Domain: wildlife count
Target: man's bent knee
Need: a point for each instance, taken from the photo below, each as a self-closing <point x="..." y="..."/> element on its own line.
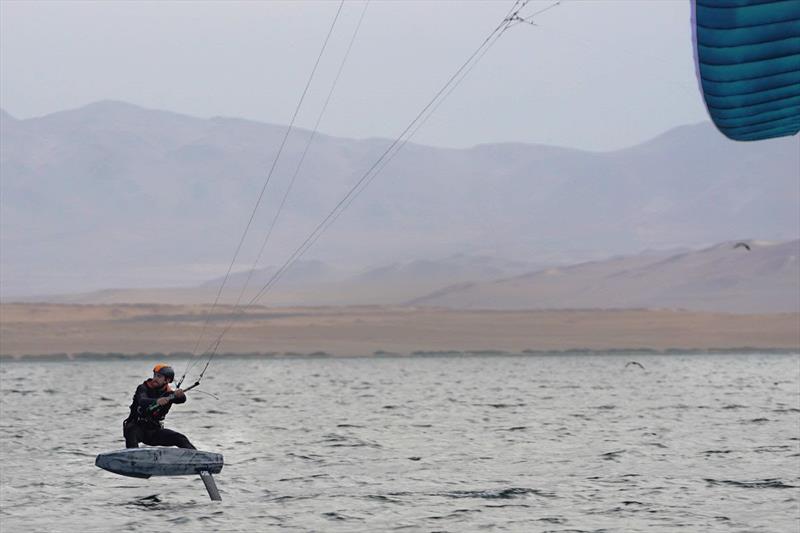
<point x="183" y="442"/>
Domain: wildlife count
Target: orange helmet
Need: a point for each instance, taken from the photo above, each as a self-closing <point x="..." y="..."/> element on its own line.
<point x="164" y="370"/>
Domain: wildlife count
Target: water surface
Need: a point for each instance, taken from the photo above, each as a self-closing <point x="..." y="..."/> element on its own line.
<point x="505" y="443"/>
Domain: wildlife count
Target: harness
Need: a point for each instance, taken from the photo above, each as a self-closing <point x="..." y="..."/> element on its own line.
<point x="145" y="417"/>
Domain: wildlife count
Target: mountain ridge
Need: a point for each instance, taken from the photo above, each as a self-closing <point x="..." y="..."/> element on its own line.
<point x="116" y="195"/>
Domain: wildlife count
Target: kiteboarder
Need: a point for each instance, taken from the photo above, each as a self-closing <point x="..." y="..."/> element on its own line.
<point x="151" y="403"/>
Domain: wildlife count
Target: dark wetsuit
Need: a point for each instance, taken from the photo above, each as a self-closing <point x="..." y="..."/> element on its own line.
<point x="147" y="426"/>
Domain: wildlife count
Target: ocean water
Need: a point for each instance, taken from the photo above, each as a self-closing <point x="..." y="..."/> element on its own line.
<point x="698" y="443"/>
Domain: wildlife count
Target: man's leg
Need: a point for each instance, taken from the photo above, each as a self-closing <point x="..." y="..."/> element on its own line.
<point x="167" y="437"/>
<point x="131" y="433"/>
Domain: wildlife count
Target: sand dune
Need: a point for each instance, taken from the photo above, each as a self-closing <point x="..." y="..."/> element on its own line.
<point x="720" y="278"/>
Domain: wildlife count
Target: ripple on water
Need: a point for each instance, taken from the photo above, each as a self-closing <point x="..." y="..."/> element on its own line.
<point x="772" y="449"/>
<point x="710" y="453"/>
<point x="497" y="494"/>
<point x="755" y="484"/>
<point x="612" y="456"/>
<point x="333" y="515"/>
<point x="146" y="501"/>
<point x="310" y="457"/>
<point x="504" y="405"/>
<point x="305" y="478"/>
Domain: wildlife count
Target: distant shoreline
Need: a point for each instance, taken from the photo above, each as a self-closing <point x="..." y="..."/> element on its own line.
<point x="73" y="332"/>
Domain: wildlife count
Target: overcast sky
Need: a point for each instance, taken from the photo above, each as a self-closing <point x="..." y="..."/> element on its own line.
<point x="593" y="74"/>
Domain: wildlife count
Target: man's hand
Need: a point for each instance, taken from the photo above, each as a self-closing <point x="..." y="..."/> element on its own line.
<point x="162" y="401"/>
<point x="179" y="393"/>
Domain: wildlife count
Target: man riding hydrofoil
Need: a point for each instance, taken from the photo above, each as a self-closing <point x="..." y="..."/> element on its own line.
<point x="151" y="403"/>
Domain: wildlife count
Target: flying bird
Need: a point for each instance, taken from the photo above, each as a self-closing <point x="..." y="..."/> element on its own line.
<point x="633" y="363"/>
<point x="742" y="245"/>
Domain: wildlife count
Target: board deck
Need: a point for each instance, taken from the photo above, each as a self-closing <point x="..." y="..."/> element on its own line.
<point x="159" y="461"/>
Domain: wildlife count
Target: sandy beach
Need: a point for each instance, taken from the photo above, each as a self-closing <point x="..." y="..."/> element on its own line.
<point x="43" y="329"/>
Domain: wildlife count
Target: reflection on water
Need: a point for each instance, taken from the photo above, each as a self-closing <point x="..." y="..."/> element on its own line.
<point x="528" y="443"/>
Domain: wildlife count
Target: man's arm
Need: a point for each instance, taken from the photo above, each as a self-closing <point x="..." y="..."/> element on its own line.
<point x="142" y="399"/>
<point x="176" y="396"/>
<point x="180" y="397"/>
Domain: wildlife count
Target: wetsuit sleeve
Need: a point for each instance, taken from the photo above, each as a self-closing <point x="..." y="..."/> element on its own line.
<point x="142" y="399"/>
<point x="179" y="400"/>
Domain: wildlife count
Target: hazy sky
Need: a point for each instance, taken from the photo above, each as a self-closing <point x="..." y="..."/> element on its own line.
<point x="591" y="74"/>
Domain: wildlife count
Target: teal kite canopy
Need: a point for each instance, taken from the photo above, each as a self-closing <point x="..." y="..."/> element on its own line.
<point x="747" y="57"/>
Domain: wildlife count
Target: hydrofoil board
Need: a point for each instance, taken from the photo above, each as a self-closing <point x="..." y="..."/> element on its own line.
<point x="158" y="461"/>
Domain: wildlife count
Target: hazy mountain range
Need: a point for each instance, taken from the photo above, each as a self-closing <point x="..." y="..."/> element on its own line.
<point x="724" y="277"/>
<point x="113" y="195"/>
<point x="318" y="283"/>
